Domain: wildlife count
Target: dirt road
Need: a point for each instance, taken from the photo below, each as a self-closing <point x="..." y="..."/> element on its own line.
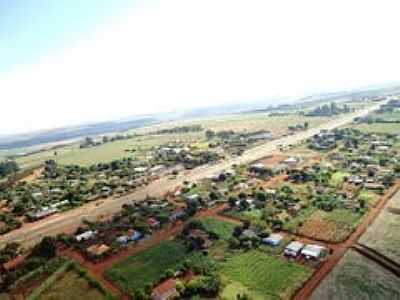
<point x="67" y="222"/>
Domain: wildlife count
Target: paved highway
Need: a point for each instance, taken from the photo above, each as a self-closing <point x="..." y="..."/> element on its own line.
<point x="68" y="221"/>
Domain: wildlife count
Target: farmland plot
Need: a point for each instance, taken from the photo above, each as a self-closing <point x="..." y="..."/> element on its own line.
<point x="358" y="278"/>
<point x="384" y="234"/>
<point x="333" y="226"/>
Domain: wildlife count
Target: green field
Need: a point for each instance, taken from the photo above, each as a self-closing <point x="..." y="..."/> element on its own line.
<point x="390" y="128"/>
<point x="222" y="229"/>
<point x="148" y="266"/>
<point x="72" y="154"/>
<point x="262" y="276"/>
<point x="359" y="278"/>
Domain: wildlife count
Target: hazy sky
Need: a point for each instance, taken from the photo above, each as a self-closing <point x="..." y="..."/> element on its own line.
<point x="64" y="62"/>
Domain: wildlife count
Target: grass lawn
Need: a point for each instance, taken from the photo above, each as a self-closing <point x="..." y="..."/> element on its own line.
<point x="148" y="266"/>
<point x="357" y="277"/>
<point x="223" y="229"/>
<point x="263" y="276"/>
<point x="338" y="178"/>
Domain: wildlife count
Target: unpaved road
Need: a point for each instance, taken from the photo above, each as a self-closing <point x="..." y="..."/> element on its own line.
<point x="67" y="222"/>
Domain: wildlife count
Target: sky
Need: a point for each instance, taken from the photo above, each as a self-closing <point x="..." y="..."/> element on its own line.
<point x="66" y="62"/>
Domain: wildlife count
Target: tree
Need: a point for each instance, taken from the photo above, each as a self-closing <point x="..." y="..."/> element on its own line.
<point x="209" y="134"/>
<point x="232" y="201"/>
<point x="306" y="125"/>
<point x="8" y="167"/>
<point x="46" y="248"/>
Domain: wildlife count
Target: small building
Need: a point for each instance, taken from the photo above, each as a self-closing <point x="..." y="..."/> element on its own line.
<point x="43" y="213"/>
<point x="196" y="234"/>
<point x="258" y="167"/>
<point x="293" y="249"/>
<point x="134" y="235"/>
<point x="166" y="290"/>
<point x="291" y="161"/>
<point x="153" y="223"/>
<point x="98" y="249"/>
<point x="374" y="186"/>
<point x="177" y="216"/>
<point x="193" y="197"/>
<point x="355" y="179"/>
<point x="87" y="235"/>
<point x="140" y="169"/>
<point x="312" y="251"/>
<point x="273" y="240"/>
<point x="123" y="239"/>
<point x="14" y="263"/>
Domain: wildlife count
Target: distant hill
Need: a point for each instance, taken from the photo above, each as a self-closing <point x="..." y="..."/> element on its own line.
<point x="62" y="134"/>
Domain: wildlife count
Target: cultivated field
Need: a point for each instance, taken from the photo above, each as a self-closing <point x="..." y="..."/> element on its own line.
<point x="384" y="234"/>
<point x="358" y="278"/>
<point x="333" y="227"/>
<point x="262" y="276"/>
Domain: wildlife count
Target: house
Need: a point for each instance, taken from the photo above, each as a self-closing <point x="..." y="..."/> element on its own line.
<point x="14" y="263"/>
<point x="44" y="213"/>
<point x="374" y="186"/>
<point x="279" y="168"/>
<point x="196" y="234"/>
<point x="355" y="179"/>
<point x="134" y="235"/>
<point x="294" y="210"/>
<point x="87" y="235"/>
<point x="273" y="240"/>
<point x="123" y="239"/>
<point x="98" y="249"/>
<point x="177" y="216"/>
<point x="193" y="197"/>
<point x="293" y="249"/>
<point x="291" y="161"/>
<point x="140" y="169"/>
<point x="312" y="251"/>
<point x="165" y="290"/>
<point x="258" y="167"/>
<point x="157" y="169"/>
<point x="230" y="172"/>
<point x="153" y="223"/>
